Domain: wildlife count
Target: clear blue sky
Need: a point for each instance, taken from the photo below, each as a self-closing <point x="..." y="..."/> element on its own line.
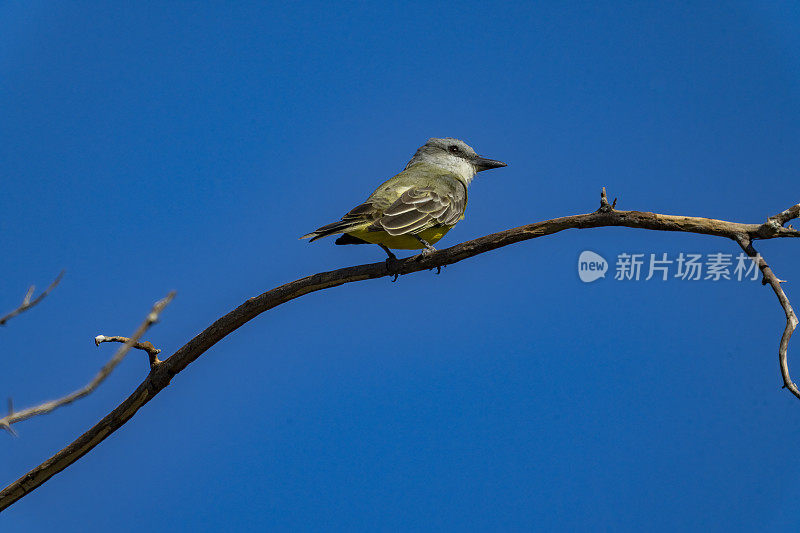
<point x="145" y="148"/>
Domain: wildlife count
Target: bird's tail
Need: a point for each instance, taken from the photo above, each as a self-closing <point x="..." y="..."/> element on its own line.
<point x="332" y="229"/>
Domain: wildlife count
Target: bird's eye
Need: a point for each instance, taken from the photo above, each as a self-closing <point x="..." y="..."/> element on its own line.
<point x="454" y="149"/>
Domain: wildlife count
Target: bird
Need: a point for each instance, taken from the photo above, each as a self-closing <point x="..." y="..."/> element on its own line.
<point x="415" y="208"/>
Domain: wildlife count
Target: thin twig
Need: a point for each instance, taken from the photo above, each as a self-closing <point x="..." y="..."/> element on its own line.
<point x="17" y="416"/>
<point x="770" y="279"/>
<point x="161" y="374"/>
<point x="146" y="346"/>
<point x="27" y="303"/>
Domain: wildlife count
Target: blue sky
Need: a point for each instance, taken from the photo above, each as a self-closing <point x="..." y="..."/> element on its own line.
<point x="186" y="146"/>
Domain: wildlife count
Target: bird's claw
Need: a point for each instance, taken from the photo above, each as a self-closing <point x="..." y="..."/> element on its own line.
<point x="391" y="266"/>
<point x="391" y="262"/>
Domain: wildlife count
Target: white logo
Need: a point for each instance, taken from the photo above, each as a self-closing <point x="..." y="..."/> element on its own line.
<point x="591" y="266"/>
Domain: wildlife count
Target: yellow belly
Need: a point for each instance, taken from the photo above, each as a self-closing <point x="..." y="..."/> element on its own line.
<point x="401" y="242"/>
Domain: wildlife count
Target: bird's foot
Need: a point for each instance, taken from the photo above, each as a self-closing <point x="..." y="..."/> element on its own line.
<point x="428" y="251"/>
<point x="391" y="262"/>
<point x="391" y="266"/>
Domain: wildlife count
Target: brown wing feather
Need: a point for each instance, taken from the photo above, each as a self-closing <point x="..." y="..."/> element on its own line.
<point x="418" y="209"/>
<point x="361" y="211"/>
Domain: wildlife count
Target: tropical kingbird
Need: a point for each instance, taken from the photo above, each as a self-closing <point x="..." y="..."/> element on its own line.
<point x="415" y="208"/>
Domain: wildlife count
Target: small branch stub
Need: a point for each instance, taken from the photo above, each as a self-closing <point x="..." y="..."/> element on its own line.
<point x="146" y="346"/>
<point x="5" y="425"/>
<point x="605" y="207"/>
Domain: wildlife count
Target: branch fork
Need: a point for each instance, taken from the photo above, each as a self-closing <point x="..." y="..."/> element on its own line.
<point x="605" y="207"/>
<point x="27" y="302"/>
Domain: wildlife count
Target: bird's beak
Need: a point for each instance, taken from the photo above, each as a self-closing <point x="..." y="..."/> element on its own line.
<point x="482" y="163"/>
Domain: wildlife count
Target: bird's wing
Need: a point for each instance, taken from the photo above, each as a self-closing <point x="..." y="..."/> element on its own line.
<point x="422" y="207"/>
<point x="369" y="210"/>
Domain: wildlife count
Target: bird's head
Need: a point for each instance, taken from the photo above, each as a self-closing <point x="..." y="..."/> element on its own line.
<point x="454" y="155"/>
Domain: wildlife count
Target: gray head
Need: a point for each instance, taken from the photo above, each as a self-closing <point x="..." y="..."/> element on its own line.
<point x="454" y="155"/>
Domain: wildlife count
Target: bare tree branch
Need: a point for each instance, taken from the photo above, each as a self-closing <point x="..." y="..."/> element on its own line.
<point x="27" y="303"/>
<point x="17" y="416"/>
<point x="768" y="277"/>
<point x="785" y="216"/>
<point x="161" y="374"/>
<point x="147" y="346"/>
